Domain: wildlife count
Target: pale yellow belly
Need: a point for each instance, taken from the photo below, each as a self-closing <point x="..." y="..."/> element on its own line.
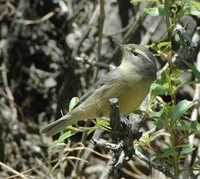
<point x="129" y="98"/>
<point x="132" y="98"/>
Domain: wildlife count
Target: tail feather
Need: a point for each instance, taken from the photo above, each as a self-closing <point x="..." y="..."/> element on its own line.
<point x="58" y="125"/>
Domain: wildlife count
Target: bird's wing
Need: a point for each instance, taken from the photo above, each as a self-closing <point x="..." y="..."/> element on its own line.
<point x="107" y="80"/>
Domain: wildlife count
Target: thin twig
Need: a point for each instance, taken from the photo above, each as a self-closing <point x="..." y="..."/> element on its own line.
<point x="12" y="170"/>
<point x="100" y="36"/>
<point x="40" y="20"/>
<point x="76" y="170"/>
<point x="86" y="33"/>
<point x="90" y="149"/>
<point x="108" y="169"/>
<point x="153" y="164"/>
<point x="147" y="36"/>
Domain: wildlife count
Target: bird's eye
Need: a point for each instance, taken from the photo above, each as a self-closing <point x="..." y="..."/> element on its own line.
<point x="135" y="53"/>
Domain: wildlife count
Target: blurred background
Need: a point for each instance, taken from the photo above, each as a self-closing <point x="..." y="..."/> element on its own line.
<point x="39" y="71"/>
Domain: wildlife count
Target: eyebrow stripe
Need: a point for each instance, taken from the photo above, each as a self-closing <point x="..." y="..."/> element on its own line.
<point x="141" y="53"/>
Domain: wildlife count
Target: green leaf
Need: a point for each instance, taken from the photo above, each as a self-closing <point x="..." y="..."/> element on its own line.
<point x="157" y="89"/>
<point x="195" y="126"/>
<point x="73" y="103"/>
<point x="91" y="130"/>
<point x="159" y="124"/>
<point x="64" y="136"/>
<point x="102" y="123"/>
<point x="178" y="110"/>
<point x="198" y="127"/>
<point x="158" y="115"/>
<point x="164" y="78"/>
<point x="163" y="44"/>
<point x="145" y="138"/>
<point x="184" y="126"/>
<point x="192" y="127"/>
<point x="144" y="1"/>
<point x="194" y="70"/>
<point x="178" y="37"/>
<point x="167" y="152"/>
<point x="191" y="10"/>
<point x="196" y="5"/>
<point x="186" y="149"/>
<point x="156" y="11"/>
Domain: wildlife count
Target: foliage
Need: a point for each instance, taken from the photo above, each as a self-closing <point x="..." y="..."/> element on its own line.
<point x="173" y="114"/>
<point x="40" y="73"/>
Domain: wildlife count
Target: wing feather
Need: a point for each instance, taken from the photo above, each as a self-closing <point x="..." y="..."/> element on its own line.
<point x="107" y="80"/>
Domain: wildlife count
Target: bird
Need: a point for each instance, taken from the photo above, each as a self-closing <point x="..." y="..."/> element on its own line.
<point x="129" y="82"/>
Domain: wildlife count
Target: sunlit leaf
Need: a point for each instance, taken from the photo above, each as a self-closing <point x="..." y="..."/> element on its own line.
<point x="187" y="149"/>
<point x="73" y="103"/>
<point x="195" y="126"/>
<point x="196" y="5"/>
<point x="178" y="110"/>
<point x="158" y="115"/>
<point x="64" y="136"/>
<point x="163" y="44"/>
<point x="184" y="126"/>
<point x="156" y="11"/>
<point x="157" y="89"/>
<point x="102" y="123"/>
<point x="145" y="138"/>
<point x="191" y="10"/>
<point x="194" y="70"/>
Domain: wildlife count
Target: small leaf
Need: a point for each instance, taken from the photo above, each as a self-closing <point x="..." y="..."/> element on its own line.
<point x="191" y="10"/>
<point x="158" y="115"/>
<point x="157" y="89"/>
<point x="159" y="124"/>
<point x="64" y="136"/>
<point x="178" y="110"/>
<point x="73" y="102"/>
<point x="164" y="77"/>
<point x="195" y="126"/>
<point x="91" y="130"/>
<point x="145" y="138"/>
<point x="196" y="5"/>
<point x="102" y="123"/>
<point x="156" y="11"/>
<point x="184" y="126"/>
<point x="194" y="69"/>
<point x="167" y="152"/>
<point x="198" y="127"/>
<point x="187" y="149"/>
<point x="163" y="44"/>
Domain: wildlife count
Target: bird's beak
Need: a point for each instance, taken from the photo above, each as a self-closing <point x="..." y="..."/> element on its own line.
<point x="122" y="47"/>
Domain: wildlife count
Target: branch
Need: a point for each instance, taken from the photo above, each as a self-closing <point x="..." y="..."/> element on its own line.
<point x="123" y="135"/>
<point x="153" y="164"/>
<point x="100" y="36"/>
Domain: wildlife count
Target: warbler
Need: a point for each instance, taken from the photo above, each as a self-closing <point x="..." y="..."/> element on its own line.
<point x="129" y="82"/>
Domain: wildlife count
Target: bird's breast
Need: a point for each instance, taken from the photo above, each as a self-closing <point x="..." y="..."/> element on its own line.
<point x="133" y="95"/>
<point x="130" y="93"/>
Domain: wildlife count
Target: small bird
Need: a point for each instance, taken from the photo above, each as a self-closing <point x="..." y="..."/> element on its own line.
<point x="129" y="82"/>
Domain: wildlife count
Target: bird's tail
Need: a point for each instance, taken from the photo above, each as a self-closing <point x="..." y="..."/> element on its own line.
<point x="58" y="125"/>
